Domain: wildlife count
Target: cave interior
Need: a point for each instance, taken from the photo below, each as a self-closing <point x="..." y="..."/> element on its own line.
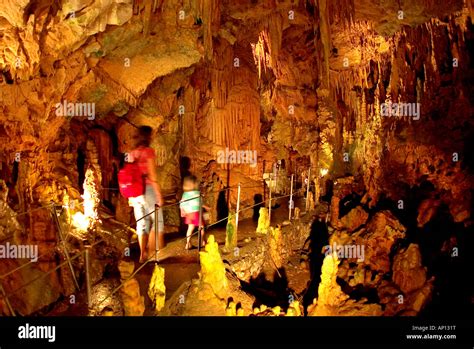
<point x="332" y="143"/>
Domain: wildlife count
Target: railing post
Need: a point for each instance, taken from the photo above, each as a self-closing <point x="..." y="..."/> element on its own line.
<point x="291" y="204"/>
<point x="200" y="222"/>
<point x="88" y="276"/>
<point x="270" y="201"/>
<point x="307" y="189"/>
<point x="63" y="242"/>
<point x="276" y="179"/>
<point x="263" y="176"/>
<point x="156" y="230"/>
<point x="7" y="301"/>
<point x="237" y="210"/>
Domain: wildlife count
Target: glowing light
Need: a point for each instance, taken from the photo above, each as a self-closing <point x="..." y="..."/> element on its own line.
<point x="91" y="198"/>
<point x="80" y="221"/>
<point x="261" y="54"/>
<point x="323" y="172"/>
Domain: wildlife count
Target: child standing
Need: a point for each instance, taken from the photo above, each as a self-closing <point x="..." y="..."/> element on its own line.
<point x="190" y="206"/>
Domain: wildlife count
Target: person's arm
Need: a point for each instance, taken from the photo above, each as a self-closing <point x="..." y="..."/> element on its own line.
<point x="154" y="181"/>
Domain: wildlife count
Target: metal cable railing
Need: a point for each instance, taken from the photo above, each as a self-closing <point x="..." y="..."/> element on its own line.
<point x="95" y="243"/>
<point x="193" y="234"/>
<point x="7" y="296"/>
<point x="146" y="215"/>
<point x="102" y="240"/>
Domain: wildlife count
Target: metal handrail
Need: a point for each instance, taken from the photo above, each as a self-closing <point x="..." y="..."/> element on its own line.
<point x="6" y="296"/>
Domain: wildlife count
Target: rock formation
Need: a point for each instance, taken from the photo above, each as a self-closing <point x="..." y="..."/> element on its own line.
<point x="263" y="221"/>
<point x="133" y="302"/>
<point x="332" y="301"/>
<point x="157" y="288"/>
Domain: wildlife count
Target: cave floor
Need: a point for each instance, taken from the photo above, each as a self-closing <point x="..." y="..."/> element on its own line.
<point x="182" y="265"/>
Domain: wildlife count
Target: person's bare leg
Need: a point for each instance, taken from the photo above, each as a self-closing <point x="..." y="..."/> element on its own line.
<point x="203" y="241"/>
<point x="151" y="243"/>
<point x="161" y="240"/>
<point x="152" y="239"/>
<point x="142" y="241"/>
<point x="188" y="236"/>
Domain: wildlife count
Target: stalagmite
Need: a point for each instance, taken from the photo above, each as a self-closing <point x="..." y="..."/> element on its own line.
<point x="91" y="198"/>
<point x="263" y="221"/>
<point x="157" y="288"/>
<point x="212" y="268"/>
<point x="231" y="234"/>
<point x="310" y="201"/>
<point x="297" y="213"/>
<point x="133" y="302"/>
<point x="332" y="301"/>
<point x="275" y="246"/>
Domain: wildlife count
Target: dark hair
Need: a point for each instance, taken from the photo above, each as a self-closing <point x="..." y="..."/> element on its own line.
<point x="144" y="136"/>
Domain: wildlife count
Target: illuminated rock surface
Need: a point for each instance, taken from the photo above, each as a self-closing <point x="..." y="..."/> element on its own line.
<point x="332" y="301"/>
<point x="275" y="246"/>
<point x="157" y="288"/>
<point x="231" y="234"/>
<point x="263" y="221"/>
<point x="299" y="81"/>
<point x="133" y="302"/>
<point x="212" y="268"/>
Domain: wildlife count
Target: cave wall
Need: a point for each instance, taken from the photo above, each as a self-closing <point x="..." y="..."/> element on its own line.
<point x="427" y="64"/>
<point x="308" y="78"/>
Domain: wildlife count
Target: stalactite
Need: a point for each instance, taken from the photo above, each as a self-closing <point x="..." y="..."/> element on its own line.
<point x="275" y="30"/>
<point x="341" y="12"/>
<point x="397" y="79"/>
<point x="325" y="40"/>
<point x="233" y="119"/>
<point x="260" y="52"/>
<point x="122" y="92"/>
<point x="210" y="14"/>
<point x="147" y="17"/>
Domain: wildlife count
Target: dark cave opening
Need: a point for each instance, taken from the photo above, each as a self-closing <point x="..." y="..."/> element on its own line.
<point x="270" y="293"/>
<point x="81" y="171"/>
<point x="258" y="203"/>
<point x="222" y="207"/>
<point x="317" y="240"/>
<point x="436" y="240"/>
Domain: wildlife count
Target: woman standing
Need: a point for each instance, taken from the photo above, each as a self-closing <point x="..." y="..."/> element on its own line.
<point x="144" y="204"/>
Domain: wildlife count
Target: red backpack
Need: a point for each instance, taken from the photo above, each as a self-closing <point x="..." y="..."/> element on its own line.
<point x="131" y="181"/>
